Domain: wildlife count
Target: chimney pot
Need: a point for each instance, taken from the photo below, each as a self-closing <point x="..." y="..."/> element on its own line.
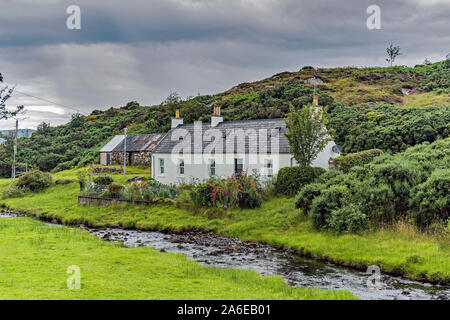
<point x="177" y="121"/>
<point x="315" y="99"/>
<point x="216" y="118"/>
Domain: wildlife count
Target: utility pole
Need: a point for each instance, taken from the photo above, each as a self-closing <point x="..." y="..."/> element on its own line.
<point x="125" y="154"/>
<point x="13" y="168"/>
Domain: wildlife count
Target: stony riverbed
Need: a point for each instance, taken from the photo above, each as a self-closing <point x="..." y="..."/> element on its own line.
<point x="213" y="250"/>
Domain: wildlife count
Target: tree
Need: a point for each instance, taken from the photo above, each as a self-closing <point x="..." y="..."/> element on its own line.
<point x="447" y="60"/>
<point x="426" y="62"/>
<point x="172" y="98"/>
<point x="307" y="133"/>
<point x="5" y="94"/>
<point x="392" y="52"/>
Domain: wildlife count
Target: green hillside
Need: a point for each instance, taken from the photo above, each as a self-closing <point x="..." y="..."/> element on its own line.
<point x="400" y="92"/>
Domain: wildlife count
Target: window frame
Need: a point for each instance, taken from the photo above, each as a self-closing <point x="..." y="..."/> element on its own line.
<point x="236" y="164"/>
<point x="268" y="166"/>
<point x="181" y="167"/>
<point x="211" y="167"/>
<point x="162" y="166"/>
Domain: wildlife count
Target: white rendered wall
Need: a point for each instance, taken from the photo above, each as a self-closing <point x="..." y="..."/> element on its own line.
<point x="196" y="167"/>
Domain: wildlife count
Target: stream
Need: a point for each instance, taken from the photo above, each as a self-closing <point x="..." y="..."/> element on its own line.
<point x="213" y="250"/>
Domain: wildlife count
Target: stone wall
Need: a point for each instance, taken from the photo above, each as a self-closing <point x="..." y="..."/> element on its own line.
<point x="97" y="201"/>
<point x="143" y="158"/>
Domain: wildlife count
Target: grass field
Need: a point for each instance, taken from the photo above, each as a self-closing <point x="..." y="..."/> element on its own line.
<point x="34" y="259"/>
<point x="400" y="250"/>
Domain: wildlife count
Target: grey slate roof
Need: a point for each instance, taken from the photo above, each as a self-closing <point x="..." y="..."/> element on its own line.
<point x="276" y="129"/>
<point x="139" y="142"/>
<point x="112" y="143"/>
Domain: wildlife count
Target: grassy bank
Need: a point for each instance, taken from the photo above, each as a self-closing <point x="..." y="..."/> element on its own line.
<point x="34" y="259"/>
<point x="400" y="251"/>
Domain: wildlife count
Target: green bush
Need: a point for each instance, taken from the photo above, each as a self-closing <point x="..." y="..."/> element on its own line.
<point x="387" y="127"/>
<point x="63" y="181"/>
<point x="347" y="219"/>
<point x="395" y="180"/>
<point x="291" y="179"/>
<point x="431" y="200"/>
<point x="241" y="190"/>
<point x="103" y="180"/>
<point x="329" y="175"/>
<point x="114" y="190"/>
<point x="333" y="198"/>
<point x="34" y="180"/>
<point x="412" y="184"/>
<point x="250" y="199"/>
<point x="305" y="197"/>
<point x="345" y="163"/>
<point x="201" y="195"/>
<point x="13" y="192"/>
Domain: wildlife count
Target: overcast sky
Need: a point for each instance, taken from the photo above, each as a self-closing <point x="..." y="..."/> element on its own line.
<point x="143" y="50"/>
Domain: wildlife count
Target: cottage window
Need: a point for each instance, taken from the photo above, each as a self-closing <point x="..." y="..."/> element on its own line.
<point x="181" y="167"/>
<point x="268" y="165"/>
<point x="161" y="166"/>
<point x="212" y="167"/>
<point x="238" y="165"/>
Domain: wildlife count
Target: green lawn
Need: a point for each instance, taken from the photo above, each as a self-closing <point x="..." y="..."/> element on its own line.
<point x="34" y="259"/>
<point x="398" y="251"/>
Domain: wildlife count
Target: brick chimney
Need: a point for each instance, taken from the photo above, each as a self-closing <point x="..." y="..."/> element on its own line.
<point x="315" y="99"/>
<point x="216" y="118"/>
<point x="177" y="120"/>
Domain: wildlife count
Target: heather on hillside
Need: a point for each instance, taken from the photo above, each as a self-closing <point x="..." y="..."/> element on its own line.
<point x="353" y="96"/>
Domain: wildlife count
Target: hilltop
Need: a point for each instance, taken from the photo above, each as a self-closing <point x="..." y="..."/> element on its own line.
<point x="364" y="89"/>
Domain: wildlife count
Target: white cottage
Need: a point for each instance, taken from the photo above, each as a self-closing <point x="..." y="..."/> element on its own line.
<point x="197" y="151"/>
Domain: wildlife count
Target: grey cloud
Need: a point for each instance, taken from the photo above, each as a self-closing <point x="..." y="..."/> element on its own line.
<point x="141" y="50"/>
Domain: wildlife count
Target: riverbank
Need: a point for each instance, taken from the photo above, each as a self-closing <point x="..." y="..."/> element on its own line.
<point x="400" y="252"/>
<point x="35" y="259"/>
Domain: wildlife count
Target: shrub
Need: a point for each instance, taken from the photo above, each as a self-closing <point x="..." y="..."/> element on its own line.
<point x="250" y="199"/>
<point x="335" y="197"/>
<point x="387" y="127"/>
<point x="34" y="180"/>
<point x="390" y="188"/>
<point x="103" y="180"/>
<point x="344" y="163"/>
<point x="431" y="200"/>
<point x="291" y="179"/>
<point x="63" y="181"/>
<point x="201" y="195"/>
<point x="347" y="219"/>
<point x="239" y="190"/>
<point x="329" y="175"/>
<point x="397" y="179"/>
<point x="114" y="190"/>
<point x="64" y="166"/>
<point x="153" y="189"/>
<point x="13" y="192"/>
<point x="305" y="197"/>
